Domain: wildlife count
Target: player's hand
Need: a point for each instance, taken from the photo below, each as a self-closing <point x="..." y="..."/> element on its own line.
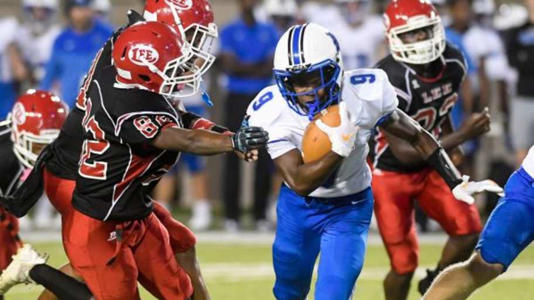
<point x="252" y="155"/>
<point x="343" y="136"/>
<point x="249" y="138"/>
<point x="465" y="190"/>
<point x="476" y="124"/>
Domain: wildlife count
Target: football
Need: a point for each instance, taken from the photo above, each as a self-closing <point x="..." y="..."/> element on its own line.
<point x="315" y="143"/>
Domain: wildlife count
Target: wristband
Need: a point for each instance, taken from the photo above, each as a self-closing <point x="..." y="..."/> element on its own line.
<point x="441" y="162"/>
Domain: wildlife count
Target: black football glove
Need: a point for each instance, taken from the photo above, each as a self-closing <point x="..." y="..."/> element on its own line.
<point x="248" y="138"/>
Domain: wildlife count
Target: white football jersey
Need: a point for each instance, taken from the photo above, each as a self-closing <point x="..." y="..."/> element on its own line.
<point x="476" y="41"/>
<point x="359" y="45"/>
<point x="36" y="50"/>
<point x="8" y="28"/>
<point x="528" y="163"/>
<point x="369" y="96"/>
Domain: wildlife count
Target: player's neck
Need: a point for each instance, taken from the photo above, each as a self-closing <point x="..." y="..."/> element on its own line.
<point x="430" y="70"/>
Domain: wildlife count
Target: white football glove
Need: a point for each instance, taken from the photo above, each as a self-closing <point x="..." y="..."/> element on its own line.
<point x="343" y="136"/>
<point x="465" y="190"/>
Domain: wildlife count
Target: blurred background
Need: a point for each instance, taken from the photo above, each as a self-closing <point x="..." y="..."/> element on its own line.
<point x="50" y="44"/>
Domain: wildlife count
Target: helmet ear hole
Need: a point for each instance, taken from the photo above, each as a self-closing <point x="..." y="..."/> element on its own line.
<point x="144" y="77"/>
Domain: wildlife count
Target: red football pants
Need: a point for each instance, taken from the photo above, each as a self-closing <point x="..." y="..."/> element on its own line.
<point x="9" y="239"/>
<point x="394" y="195"/>
<point x="112" y="256"/>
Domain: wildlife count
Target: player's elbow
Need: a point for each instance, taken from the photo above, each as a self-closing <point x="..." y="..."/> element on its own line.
<point x="302" y="189"/>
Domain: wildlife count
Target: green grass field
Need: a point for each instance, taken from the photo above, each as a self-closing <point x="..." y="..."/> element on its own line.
<point x="244" y="271"/>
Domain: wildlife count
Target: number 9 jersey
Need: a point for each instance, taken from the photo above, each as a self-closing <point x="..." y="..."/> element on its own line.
<point x="370" y="99"/>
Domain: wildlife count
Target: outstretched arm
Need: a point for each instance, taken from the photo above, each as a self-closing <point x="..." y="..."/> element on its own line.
<point x="205" y="142"/>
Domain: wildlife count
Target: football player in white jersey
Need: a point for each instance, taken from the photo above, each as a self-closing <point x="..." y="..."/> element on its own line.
<point x="326" y="206"/>
<point x="509" y="230"/>
<point x="361" y="34"/>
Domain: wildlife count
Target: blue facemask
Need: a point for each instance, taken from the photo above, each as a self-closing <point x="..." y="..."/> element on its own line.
<point x="328" y="71"/>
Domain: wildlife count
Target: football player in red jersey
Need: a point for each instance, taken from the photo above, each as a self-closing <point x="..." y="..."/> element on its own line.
<point x="133" y="134"/>
<point x="34" y="122"/>
<point x="61" y="168"/>
<point x="427" y="74"/>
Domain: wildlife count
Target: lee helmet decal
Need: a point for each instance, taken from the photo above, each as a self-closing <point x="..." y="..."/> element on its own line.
<point x="181" y="4"/>
<point x="19" y="114"/>
<point x="143" y="54"/>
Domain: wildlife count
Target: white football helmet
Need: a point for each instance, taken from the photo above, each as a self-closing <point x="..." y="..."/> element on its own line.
<point x="281" y="7"/>
<point x="304" y="50"/>
<point x="40" y="22"/>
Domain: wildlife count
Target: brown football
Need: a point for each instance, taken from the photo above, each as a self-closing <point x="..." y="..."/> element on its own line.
<point x="315" y="143"/>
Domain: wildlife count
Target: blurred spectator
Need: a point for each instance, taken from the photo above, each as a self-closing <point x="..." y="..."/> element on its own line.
<point x="102" y="10"/>
<point x="280" y="12"/>
<point x="74" y="49"/>
<point x="320" y="13"/>
<point x="246" y="57"/>
<point x="355" y="25"/>
<point x="460" y="18"/>
<point x="37" y="34"/>
<point x="12" y="68"/>
<point x="164" y="192"/>
<point x="519" y="42"/>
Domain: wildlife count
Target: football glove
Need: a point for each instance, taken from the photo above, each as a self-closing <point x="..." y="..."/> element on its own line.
<point x="343" y="136"/>
<point x="248" y="138"/>
<point x="465" y="190"/>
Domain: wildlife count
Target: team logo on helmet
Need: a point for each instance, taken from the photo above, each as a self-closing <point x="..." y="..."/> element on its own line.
<point x="143" y="55"/>
<point x="182" y="4"/>
<point x="19" y="114"/>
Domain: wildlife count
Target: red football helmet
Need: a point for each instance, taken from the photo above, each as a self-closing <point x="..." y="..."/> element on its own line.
<point x="403" y="16"/>
<point x="154" y="57"/>
<point x="36" y="120"/>
<point x="194" y="18"/>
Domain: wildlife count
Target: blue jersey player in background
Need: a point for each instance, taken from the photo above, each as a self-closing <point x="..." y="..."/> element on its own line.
<point x="325" y="206"/>
<point x="509" y="230"/>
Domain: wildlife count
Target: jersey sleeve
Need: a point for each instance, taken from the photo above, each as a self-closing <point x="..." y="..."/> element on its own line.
<point x="264" y="112"/>
<point x="376" y="94"/>
<point x="144" y="128"/>
<point x="396" y="74"/>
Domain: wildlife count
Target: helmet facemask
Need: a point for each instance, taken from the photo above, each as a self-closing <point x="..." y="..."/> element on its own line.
<point x="27" y="146"/>
<point x="418" y="52"/>
<point x="324" y="74"/>
<point x="201" y="40"/>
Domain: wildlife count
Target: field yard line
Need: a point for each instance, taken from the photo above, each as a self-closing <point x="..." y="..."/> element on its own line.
<point x="238" y="272"/>
<point x="222" y="237"/>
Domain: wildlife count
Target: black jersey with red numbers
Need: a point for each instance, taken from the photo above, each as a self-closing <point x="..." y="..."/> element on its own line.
<point x="10" y="168"/>
<point x="426" y="100"/>
<point x="118" y="166"/>
<point x="66" y="148"/>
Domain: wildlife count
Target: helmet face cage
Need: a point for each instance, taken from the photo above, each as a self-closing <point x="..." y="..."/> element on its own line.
<point x="328" y="71"/>
<point x="418" y="52"/>
<point x="181" y="76"/>
<point x="27" y="146"/>
<point x="201" y="40"/>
